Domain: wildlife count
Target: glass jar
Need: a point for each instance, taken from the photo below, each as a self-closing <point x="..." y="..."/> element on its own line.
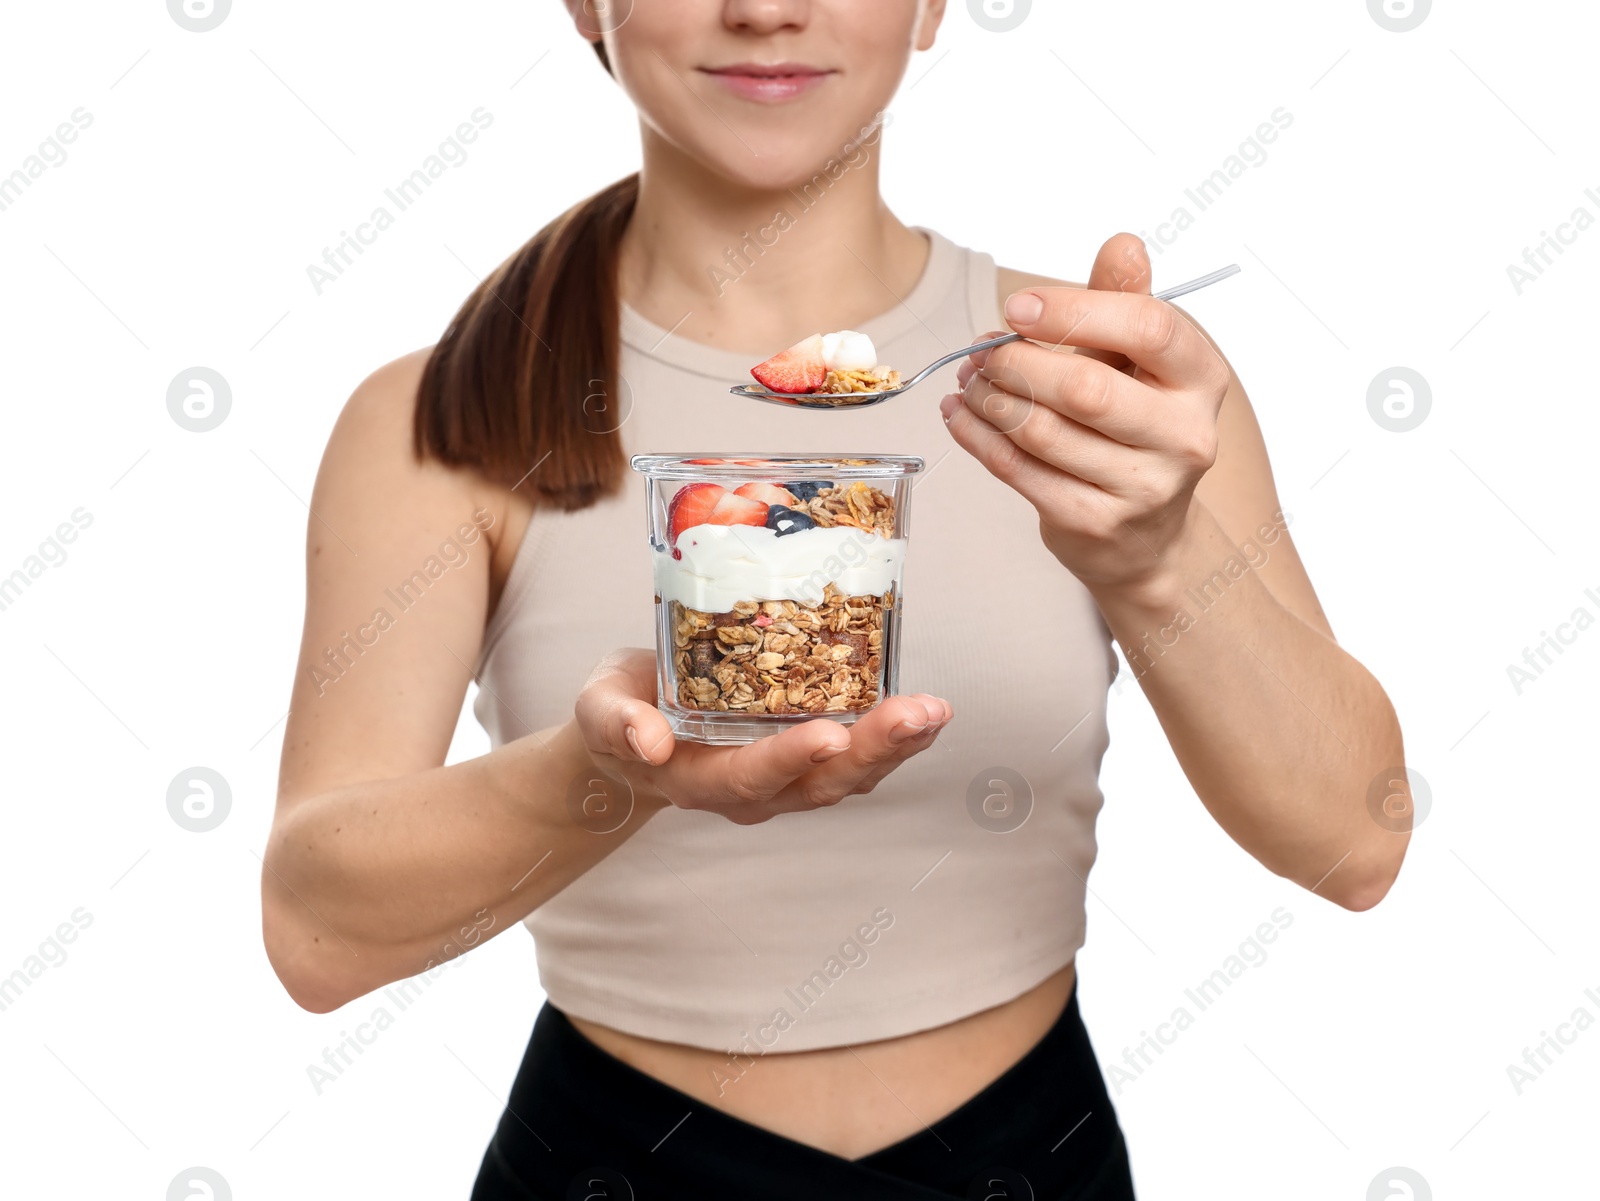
<point x="777" y="587"/>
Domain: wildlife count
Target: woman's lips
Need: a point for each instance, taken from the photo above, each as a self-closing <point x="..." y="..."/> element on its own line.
<point x="775" y="82"/>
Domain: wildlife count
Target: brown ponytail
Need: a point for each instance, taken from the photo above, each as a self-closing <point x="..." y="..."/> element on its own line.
<point x="526" y="373"/>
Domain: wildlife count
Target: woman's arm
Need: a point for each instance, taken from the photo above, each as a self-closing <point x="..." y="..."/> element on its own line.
<point x="1283" y="734"/>
<point x="381" y="862"/>
<point x="1152" y="481"/>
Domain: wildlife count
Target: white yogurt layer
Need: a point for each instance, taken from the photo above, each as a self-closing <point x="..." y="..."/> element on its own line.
<point x="848" y="350"/>
<point x="725" y="564"/>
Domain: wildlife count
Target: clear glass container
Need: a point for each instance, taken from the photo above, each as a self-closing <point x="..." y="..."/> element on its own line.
<point x="777" y="587"/>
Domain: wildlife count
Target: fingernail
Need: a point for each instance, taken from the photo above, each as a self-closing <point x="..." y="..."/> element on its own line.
<point x="965" y="372"/>
<point x="632" y="736"/>
<point x="823" y="754"/>
<point x="947" y="406"/>
<point x="906" y="730"/>
<point x="1024" y="308"/>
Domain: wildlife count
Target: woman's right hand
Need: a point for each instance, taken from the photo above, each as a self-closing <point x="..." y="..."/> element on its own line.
<point x="805" y="766"/>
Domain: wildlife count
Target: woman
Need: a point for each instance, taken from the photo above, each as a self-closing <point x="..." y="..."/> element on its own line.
<point x="868" y="998"/>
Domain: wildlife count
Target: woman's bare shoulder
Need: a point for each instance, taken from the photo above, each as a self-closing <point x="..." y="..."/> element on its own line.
<point x="384" y="403"/>
<point x="372" y="441"/>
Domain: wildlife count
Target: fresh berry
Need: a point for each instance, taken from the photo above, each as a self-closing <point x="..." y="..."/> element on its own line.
<point x="799" y="369"/>
<point x="808" y="489"/>
<point x="763" y="620"/>
<point x="767" y="494"/>
<point x="788" y="521"/>
<point x="692" y="506"/>
<point x="733" y="509"/>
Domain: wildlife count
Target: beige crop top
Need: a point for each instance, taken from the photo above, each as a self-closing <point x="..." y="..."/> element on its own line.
<point x="900" y="910"/>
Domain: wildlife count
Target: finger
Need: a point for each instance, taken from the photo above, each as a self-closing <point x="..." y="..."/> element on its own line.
<point x="1123" y="265"/>
<point x="910" y="749"/>
<point x="903" y="750"/>
<point x="977" y="358"/>
<point x="1150" y="332"/>
<point x="1064" y="495"/>
<point x="880" y="740"/>
<point x="757" y="772"/>
<point x="1087" y="391"/>
<point x="1054" y="439"/>
<point x="616" y="709"/>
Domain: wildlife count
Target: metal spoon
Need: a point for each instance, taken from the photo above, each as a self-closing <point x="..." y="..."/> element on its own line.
<point x="858" y="400"/>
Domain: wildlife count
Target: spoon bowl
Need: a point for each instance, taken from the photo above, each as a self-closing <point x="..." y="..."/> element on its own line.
<point x="860" y="400"/>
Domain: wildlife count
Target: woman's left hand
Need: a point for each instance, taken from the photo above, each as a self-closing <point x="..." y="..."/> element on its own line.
<point x="1108" y="442"/>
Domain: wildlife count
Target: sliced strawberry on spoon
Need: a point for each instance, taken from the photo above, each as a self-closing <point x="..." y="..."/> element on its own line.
<point x="801" y="368"/>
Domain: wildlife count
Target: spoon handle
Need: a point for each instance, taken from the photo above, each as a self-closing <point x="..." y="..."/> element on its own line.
<point x="959" y="354"/>
<point x="1194" y="285"/>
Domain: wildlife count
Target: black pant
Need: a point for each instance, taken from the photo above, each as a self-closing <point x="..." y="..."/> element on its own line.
<point x="581" y="1125"/>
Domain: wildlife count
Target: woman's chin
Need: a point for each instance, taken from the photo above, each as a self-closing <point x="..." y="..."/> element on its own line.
<point x="802" y="166"/>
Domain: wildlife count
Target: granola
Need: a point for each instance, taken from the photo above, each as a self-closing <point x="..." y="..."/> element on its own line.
<point x="879" y="379"/>
<point x="782" y="656"/>
<point x="860" y="505"/>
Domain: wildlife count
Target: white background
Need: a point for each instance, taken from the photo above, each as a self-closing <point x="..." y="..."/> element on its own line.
<point x="177" y="233"/>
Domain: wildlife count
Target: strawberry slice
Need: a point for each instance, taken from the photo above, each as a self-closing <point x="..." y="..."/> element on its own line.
<point x="799" y="369"/>
<point x="711" y="504"/>
<point x="733" y="509"/>
<point x="705" y="460"/>
<point x="767" y="494"/>
<point x="692" y="505"/>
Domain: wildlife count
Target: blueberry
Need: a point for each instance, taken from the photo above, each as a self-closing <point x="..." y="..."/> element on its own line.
<point x="787" y="521"/>
<point x="808" y="489"/>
